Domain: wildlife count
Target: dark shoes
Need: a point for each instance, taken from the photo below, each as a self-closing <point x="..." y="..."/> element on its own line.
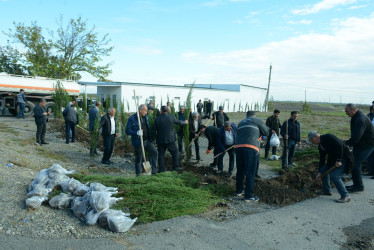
<point x="324" y="193"/>
<point x="105" y="162"/>
<point x="355" y="190"/>
<point x="44" y="143"/>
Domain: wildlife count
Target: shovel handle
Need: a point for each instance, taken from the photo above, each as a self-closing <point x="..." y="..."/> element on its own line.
<point x="322" y="175"/>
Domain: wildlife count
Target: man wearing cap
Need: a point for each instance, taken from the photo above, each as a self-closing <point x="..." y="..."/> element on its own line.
<point x="220" y="117"/>
<point x="247" y="149"/>
<point x="21" y="101"/>
<point x="333" y="147"/>
<point x="362" y="141"/>
<point x="40" y="115"/>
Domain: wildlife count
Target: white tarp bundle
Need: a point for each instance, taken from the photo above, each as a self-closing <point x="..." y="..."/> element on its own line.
<point x="89" y="203"/>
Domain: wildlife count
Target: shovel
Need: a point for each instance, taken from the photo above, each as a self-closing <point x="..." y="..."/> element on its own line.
<point x="322" y="175"/>
<point x="198" y="134"/>
<point x="223" y="152"/>
<point x="146" y="165"/>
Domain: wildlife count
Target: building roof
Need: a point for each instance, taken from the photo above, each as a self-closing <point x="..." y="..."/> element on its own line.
<point x="227" y="87"/>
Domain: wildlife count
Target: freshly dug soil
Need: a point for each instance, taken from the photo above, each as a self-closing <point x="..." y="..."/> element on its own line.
<point x="282" y="190"/>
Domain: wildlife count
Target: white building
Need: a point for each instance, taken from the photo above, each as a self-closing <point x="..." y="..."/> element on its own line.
<point x="234" y="97"/>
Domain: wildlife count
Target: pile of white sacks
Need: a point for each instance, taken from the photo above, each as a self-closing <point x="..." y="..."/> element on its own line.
<point x="89" y="203"/>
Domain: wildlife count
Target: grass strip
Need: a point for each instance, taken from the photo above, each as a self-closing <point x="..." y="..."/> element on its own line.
<point x="158" y="197"/>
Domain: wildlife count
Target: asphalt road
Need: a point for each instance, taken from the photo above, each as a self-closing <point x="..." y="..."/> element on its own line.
<point x="318" y="223"/>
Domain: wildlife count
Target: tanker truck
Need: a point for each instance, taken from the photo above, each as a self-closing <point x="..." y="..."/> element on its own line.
<point x="35" y="88"/>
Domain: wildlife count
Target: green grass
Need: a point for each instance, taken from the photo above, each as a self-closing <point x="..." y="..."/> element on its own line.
<point x="159" y="197"/>
<point x="50" y="154"/>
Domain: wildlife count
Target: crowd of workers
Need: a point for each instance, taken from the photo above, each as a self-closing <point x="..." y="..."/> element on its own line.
<point x="241" y="142"/>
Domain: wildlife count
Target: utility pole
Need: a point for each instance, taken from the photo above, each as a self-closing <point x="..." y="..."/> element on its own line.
<point x="266" y="106"/>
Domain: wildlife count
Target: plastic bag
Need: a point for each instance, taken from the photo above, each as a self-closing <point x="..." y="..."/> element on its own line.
<point x="57" y="180"/>
<point x="39" y="190"/>
<point x="274" y="140"/>
<point x="95" y="186"/>
<point x="81" y="190"/>
<point x="92" y="217"/>
<point x="35" y="202"/>
<point x="69" y="185"/>
<point x="100" y="201"/>
<point x="80" y="207"/>
<point x="56" y="169"/>
<point x="274" y="157"/>
<point x="61" y="201"/>
<point x="120" y="223"/>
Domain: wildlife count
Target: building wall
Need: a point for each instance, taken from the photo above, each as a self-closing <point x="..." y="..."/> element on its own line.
<point x="103" y="92"/>
<point x="248" y="97"/>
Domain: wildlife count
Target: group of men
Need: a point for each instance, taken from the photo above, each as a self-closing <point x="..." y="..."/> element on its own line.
<point x="241" y="142"/>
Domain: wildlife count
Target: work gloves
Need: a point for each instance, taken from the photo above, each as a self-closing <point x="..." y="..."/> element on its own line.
<point x="139" y="132"/>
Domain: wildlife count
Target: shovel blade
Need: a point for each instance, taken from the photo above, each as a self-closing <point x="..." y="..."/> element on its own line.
<point x="147" y="167"/>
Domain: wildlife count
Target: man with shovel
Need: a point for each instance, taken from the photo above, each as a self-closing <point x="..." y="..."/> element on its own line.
<point x="333" y="147"/>
<point x="132" y="129"/>
<point x="290" y="132"/>
<point x="225" y="141"/>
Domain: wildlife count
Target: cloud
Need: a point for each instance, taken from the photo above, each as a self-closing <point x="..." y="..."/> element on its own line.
<point x="358" y="7"/>
<point x="323" y="5"/>
<point x="301" y="22"/>
<point x="340" y="60"/>
<point x="213" y="3"/>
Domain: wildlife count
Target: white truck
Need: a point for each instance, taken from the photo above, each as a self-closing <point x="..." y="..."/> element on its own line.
<point x="35" y="88"/>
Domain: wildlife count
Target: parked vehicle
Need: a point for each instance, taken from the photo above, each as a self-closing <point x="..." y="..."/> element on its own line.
<point x="35" y="88"/>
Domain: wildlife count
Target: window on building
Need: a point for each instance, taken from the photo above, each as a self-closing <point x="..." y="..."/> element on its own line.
<point x="114" y="100"/>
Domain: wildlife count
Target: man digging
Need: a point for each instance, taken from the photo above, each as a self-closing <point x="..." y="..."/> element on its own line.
<point x="333" y="147"/>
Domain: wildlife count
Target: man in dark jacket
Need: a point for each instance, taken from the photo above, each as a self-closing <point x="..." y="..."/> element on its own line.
<point x="109" y="132"/>
<point x="208" y="107"/>
<point x="163" y="128"/>
<point x="333" y="147"/>
<point x="274" y="125"/>
<point x="181" y="117"/>
<point x="293" y="138"/>
<point x="93" y="116"/>
<point x="71" y="120"/>
<point x="220" y="117"/>
<point x="40" y="115"/>
<point x="21" y="101"/>
<point x="226" y="139"/>
<point x="362" y="141"/>
<point x="199" y="107"/>
<point x="211" y="133"/>
<point x="247" y="149"/>
<point x="195" y="126"/>
<point x="132" y="129"/>
<point x="371" y="114"/>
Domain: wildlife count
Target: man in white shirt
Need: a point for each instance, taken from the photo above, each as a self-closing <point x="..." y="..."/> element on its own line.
<point x="109" y="132"/>
<point x="195" y="127"/>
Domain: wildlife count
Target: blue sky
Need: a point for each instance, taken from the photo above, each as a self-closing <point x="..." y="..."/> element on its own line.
<point x="325" y="47"/>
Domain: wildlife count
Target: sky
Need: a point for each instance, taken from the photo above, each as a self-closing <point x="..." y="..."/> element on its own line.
<point x="321" y="50"/>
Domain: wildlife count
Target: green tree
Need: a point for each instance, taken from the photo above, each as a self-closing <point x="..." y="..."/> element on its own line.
<point x="61" y="98"/>
<point x="73" y="49"/>
<point x="9" y="61"/>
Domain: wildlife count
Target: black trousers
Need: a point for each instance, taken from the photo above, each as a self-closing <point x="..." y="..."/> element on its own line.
<point x="173" y="149"/>
<point x="40" y="132"/>
<point x="149" y="147"/>
<point x="108" y="147"/>
<point x="197" y="148"/>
